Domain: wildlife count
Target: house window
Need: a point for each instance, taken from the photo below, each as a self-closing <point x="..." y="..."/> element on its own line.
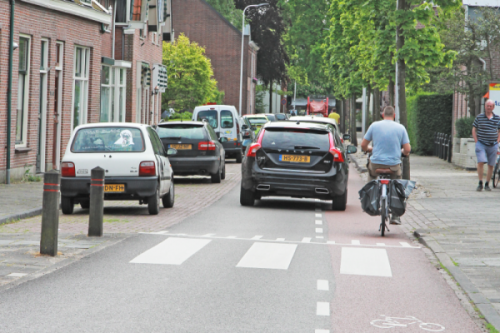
<point x="23" y="90"/>
<point x="106" y="83"/>
<point x="113" y="94"/>
<point x="81" y="85"/>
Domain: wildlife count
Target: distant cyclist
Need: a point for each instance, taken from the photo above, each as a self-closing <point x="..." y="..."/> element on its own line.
<point x="390" y="139"/>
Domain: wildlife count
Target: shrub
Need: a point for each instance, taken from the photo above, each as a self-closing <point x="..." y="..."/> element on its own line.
<point x="431" y="113"/>
<point x="412" y="124"/>
<point x="463" y="127"/>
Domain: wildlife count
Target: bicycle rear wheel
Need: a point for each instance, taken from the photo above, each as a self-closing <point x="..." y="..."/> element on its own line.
<point x="496" y="176"/>
<point x="383" y="215"/>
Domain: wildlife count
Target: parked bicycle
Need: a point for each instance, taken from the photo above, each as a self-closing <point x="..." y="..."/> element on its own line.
<point x="495" y="178"/>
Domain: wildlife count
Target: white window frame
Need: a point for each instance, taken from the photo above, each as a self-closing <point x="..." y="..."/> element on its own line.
<point x="116" y="114"/>
<point x="59" y="67"/>
<point x="84" y="93"/>
<point x="25" y="99"/>
<point x="109" y="85"/>
<point x="44" y="73"/>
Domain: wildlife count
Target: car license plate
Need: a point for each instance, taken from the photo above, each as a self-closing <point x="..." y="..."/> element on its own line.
<point x="295" y="158"/>
<point x="181" y="146"/>
<point x="114" y="188"/>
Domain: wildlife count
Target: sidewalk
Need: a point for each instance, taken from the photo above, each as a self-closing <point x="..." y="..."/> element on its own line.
<point x="460" y="225"/>
<point x="21" y="200"/>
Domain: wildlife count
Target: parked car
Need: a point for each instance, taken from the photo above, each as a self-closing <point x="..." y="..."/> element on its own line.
<point x="135" y="162"/>
<point x="247" y="129"/>
<point x="224" y="121"/>
<point x="256" y="120"/>
<point x="319" y="120"/>
<point x="199" y="152"/>
<point x="302" y="160"/>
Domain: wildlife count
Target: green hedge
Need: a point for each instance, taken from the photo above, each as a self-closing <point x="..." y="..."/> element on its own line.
<point x="430" y="113"/>
<point x="463" y="127"/>
<point x="412" y="124"/>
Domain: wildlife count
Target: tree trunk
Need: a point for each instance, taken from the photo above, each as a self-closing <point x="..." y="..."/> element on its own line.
<point x="352" y="120"/>
<point x="271" y="97"/>
<point x="368" y="97"/>
<point x="341" y="111"/>
<point x="346" y="115"/>
<point x="400" y="42"/>
<point x="391" y="93"/>
<point x="376" y="105"/>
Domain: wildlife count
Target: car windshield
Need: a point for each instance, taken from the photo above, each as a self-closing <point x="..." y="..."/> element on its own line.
<point x="115" y="139"/>
<point x="289" y="138"/>
<point x="182" y="131"/>
<point x="210" y="116"/>
<point x="271" y="117"/>
<point x="281" y="117"/>
<point x="257" y="121"/>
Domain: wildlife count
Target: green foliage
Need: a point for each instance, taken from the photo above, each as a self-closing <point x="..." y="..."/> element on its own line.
<point x="463" y="127"/>
<point x="182" y="115"/>
<point x="431" y="113"/>
<point x="412" y="123"/>
<point x="260" y="92"/>
<point x="228" y="10"/>
<point x="190" y="76"/>
<point x="29" y="177"/>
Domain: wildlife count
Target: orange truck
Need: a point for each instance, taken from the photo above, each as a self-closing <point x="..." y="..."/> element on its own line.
<point x="317" y="107"/>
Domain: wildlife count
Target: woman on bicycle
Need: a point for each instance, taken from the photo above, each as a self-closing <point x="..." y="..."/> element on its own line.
<point x="390" y="140"/>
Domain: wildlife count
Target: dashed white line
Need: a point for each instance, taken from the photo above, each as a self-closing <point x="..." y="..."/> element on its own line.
<point x="319" y="215"/>
<point x="319" y="222"/>
<point x="323" y="285"/>
<point x="208" y="235"/>
<point x="306" y="240"/>
<point x="17" y="274"/>
<point x="380" y="244"/>
<point x="257" y="237"/>
<point x="320" y="237"/>
<point x="323" y="309"/>
<point x="355" y="242"/>
<point x="280" y="239"/>
<point x="330" y="242"/>
<point x="321" y="331"/>
<point x="405" y="244"/>
<point x="231" y="237"/>
<point x="319" y="230"/>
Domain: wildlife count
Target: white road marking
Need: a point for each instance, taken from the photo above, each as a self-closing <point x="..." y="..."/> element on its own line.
<point x="365" y="261"/>
<point x="323" y="309"/>
<point x="231" y="237"/>
<point x="405" y="244"/>
<point x="163" y="232"/>
<point x="172" y="251"/>
<point x="268" y="255"/>
<point x="208" y="235"/>
<point x="321" y="331"/>
<point x="355" y="242"/>
<point x="380" y="244"/>
<point x="323" y="285"/>
<point x="256" y="237"/>
<point x="319" y="230"/>
<point x="17" y="274"/>
<point x="280" y="239"/>
<point x="319" y="215"/>
<point x="320" y="237"/>
<point x="330" y="242"/>
<point x="306" y="240"/>
<point x="319" y="222"/>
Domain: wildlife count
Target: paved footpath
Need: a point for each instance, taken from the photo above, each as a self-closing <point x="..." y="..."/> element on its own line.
<point x="20" y="240"/>
<point x="460" y="225"/>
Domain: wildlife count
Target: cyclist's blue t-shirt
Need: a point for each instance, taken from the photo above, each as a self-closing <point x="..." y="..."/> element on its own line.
<point x="388" y="137"/>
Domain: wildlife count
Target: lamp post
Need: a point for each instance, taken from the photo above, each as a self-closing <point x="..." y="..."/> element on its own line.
<point x="242" y="47"/>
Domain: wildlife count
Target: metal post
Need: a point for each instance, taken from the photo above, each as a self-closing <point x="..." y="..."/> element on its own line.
<point x="445" y="146"/>
<point x="9" y="90"/>
<point x="96" y="202"/>
<point x="50" y="213"/>
<point x="434" y="145"/>
<point x="450" y="148"/>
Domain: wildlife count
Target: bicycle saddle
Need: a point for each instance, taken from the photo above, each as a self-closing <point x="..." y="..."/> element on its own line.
<point x="383" y="171"/>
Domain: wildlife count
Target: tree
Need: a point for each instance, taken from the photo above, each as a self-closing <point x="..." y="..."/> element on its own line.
<point x="228" y="10"/>
<point x="190" y="76"/>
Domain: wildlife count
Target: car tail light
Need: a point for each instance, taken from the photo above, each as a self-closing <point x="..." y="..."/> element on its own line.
<point x="337" y="154"/>
<point x="385" y="181"/>
<point x="147" y="168"/>
<point x="206" y="145"/>
<point x="68" y="169"/>
<point x="252" y="150"/>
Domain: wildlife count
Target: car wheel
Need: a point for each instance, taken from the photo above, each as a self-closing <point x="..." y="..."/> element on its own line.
<point x="169" y="198"/>
<point x="154" y="202"/>
<point x="85" y="204"/>
<point x="238" y="157"/>
<point x="223" y="174"/>
<point x="217" y="176"/>
<point x="340" y="202"/>
<point x="247" y="197"/>
<point x="67" y="205"/>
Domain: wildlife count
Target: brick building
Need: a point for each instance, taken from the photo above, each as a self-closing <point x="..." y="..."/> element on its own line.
<point x="67" y="71"/>
<point x="201" y="23"/>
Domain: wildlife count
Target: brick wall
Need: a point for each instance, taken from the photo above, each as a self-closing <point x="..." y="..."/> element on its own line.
<point x="39" y="23"/>
<point x="222" y="42"/>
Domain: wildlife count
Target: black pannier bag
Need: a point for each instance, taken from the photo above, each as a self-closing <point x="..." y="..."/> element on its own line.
<point x="399" y="191"/>
<point x="369" y="196"/>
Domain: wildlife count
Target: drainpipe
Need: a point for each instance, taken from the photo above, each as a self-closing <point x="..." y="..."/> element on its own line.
<point x="9" y="89"/>
<point x="114" y="32"/>
<point x="482" y="98"/>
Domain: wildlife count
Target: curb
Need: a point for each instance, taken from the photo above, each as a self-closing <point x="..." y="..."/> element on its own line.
<point x="361" y="169"/>
<point x="20" y="216"/>
<point x="480" y="301"/>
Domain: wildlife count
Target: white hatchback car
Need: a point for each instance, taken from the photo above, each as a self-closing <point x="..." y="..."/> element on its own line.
<point x="135" y="163"/>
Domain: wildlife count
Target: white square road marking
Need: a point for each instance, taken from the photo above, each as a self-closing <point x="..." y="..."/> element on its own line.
<point x="172" y="251"/>
<point x="280" y="239"/>
<point x="319" y="222"/>
<point x="321" y="331"/>
<point x="380" y="244"/>
<point x="404" y="244"/>
<point x="256" y="237"/>
<point x="323" y="285"/>
<point x="323" y="309"/>
<point x="268" y="255"/>
<point x="319" y="215"/>
<point x="306" y="240"/>
<point x="355" y="242"/>
<point x="319" y="230"/>
<point x="365" y="261"/>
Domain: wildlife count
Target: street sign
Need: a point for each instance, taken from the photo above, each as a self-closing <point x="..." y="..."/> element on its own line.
<point x="494" y="93"/>
<point x="283" y="101"/>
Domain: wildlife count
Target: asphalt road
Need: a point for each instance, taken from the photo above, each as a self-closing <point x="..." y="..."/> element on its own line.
<point x="284" y="265"/>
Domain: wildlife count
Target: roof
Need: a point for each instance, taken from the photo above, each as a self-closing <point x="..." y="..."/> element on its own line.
<point x="323" y="120"/>
<point x="481" y="3"/>
<point x="188" y="122"/>
<point x="297" y="125"/>
<point x="113" y="124"/>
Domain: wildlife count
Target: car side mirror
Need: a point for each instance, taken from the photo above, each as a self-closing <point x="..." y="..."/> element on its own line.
<point x="171" y="151"/>
<point x="253" y="128"/>
<point x="351" y="149"/>
<point x="222" y="139"/>
<point x="347" y="137"/>
<point x="244" y="126"/>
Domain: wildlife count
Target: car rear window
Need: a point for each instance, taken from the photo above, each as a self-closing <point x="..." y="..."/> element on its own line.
<point x="226" y="119"/>
<point x="257" y="121"/>
<point x="280" y="117"/>
<point x="289" y="138"/>
<point x="182" y="131"/>
<point x="210" y="116"/>
<point x="115" y="139"/>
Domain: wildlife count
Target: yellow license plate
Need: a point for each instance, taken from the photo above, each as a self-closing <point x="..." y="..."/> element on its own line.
<point x="181" y="147"/>
<point x="295" y="158"/>
<point x="114" y="188"/>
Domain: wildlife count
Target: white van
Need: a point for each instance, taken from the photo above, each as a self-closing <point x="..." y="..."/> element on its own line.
<point x="224" y="119"/>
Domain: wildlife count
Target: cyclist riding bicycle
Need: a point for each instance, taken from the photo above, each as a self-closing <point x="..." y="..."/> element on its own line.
<point x="390" y="140"/>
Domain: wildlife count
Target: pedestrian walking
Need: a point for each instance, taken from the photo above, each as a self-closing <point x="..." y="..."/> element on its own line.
<point x="334" y="115"/>
<point x="486" y="134"/>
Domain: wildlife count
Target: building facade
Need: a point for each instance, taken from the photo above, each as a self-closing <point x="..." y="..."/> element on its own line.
<point x="202" y="24"/>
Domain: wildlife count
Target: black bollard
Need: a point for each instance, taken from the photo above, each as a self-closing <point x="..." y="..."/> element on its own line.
<point x="96" y="202"/>
<point x="50" y="213"/>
